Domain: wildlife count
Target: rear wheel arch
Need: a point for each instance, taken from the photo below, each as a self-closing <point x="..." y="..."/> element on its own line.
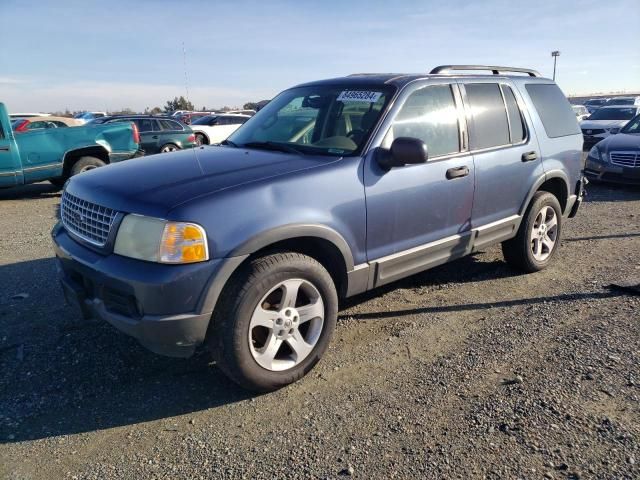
<point x="556" y="183"/>
<point x="72" y="156"/>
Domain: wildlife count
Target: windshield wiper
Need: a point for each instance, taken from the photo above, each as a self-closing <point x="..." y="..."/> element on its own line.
<point x="230" y="143"/>
<point x="279" y="147"/>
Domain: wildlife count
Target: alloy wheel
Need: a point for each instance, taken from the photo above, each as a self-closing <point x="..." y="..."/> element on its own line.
<point x="286" y="324"/>
<point x="544" y="233"/>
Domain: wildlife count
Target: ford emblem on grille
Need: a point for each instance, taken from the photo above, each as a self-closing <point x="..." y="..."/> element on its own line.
<point x="589" y="132"/>
<point x="77" y="216"/>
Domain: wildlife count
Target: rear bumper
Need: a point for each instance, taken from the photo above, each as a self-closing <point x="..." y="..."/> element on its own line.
<point x="167" y="308"/>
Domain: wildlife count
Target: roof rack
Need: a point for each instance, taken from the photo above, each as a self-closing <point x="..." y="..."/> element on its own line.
<point x="494" y="69"/>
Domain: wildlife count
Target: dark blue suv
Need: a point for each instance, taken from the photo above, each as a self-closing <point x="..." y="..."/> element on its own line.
<point x="334" y="188"/>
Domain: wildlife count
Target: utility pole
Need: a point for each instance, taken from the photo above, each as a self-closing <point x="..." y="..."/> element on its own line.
<point x="555" y="54"/>
<point x="186" y="79"/>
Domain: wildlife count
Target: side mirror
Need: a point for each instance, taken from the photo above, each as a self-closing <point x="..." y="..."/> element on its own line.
<point x="403" y="151"/>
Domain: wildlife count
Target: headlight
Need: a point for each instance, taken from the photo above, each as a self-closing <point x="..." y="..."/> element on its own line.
<point x="156" y="240"/>
<point x="595" y="153"/>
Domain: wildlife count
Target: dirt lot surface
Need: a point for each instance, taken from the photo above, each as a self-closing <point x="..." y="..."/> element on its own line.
<point x="468" y="370"/>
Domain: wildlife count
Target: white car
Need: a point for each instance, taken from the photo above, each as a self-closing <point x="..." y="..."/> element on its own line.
<point x="605" y="121"/>
<point x="86" y="117"/>
<point x="581" y="112"/>
<point x="214" y="129"/>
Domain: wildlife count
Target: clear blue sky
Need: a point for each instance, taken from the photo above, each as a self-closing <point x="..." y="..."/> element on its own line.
<point x="111" y="54"/>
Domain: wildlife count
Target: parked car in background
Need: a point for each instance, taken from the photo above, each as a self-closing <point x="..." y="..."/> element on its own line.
<point x="250" y="113"/>
<point x="15" y="116"/>
<point x="85" y="117"/>
<point x="33" y="123"/>
<point x="157" y="134"/>
<point x="214" y="129"/>
<point x="334" y="188"/>
<point x="594" y="104"/>
<point x="630" y="100"/>
<point x="189" y="117"/>
<point x="55" y="154"/>
<point x="605" y="121"/>
<point x="580" y="111"/>
<point x="617" y="158"/>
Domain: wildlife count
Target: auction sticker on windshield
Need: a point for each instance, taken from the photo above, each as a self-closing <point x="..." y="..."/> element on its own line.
<point x="359" y="96"/>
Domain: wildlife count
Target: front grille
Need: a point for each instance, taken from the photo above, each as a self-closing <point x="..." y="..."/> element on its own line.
<point x="625" y="159"/>
<point x="89" y="221"/>
<point x="592" y="131"/>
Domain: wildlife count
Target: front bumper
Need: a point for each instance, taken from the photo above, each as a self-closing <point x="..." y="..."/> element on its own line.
<point x="162" y="306"/>
<point x="606" y="172"/>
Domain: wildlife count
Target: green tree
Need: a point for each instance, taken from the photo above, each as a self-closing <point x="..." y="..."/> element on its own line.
<point x="250" y="106"/>
<point x="178" y="104"/>
<point x="156" y="111"/>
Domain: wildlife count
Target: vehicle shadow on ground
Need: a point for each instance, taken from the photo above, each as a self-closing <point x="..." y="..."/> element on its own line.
<point x="30" y="192"/>
<point x="608" y="192"/>
<point x="570" y="297"/>
<point x="61" y="375"/>
<point x="465" y="270"/>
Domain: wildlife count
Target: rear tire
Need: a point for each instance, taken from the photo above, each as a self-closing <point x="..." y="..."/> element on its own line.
<point x="84" y="164"/>
<point x="273" y="321"/>
<point x="538" y="238"/>
<point x="58" y="182"/>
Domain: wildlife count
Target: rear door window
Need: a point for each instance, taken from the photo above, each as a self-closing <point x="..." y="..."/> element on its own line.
<point x="144" y="124"/>
<point x="490" y="126"/>
<point x="554" y="109"/>
<point x="170" y="125"/>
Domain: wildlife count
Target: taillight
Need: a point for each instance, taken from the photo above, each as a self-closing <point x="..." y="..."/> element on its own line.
<point x="136" y="133"/>
<point x="22" y="126"/>
<point x="192" y="138"/>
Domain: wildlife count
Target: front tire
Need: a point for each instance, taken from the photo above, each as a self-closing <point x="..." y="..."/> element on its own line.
<point x="169" y="147"/>
<point x="538" y="238"/>
<point x="201" y="139"/>
<point x="274" y="321"/>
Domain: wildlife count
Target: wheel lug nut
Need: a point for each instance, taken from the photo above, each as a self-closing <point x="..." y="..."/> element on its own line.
<point x="279" y="321"/>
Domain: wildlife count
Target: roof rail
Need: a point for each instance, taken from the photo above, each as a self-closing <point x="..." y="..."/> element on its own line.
<point x="494" y="69"/>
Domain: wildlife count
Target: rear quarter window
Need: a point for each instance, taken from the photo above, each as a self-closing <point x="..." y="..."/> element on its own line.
<point x="554" y="109"/>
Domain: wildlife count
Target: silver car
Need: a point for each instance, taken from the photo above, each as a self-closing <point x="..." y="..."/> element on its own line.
<point x="605" y="121"/>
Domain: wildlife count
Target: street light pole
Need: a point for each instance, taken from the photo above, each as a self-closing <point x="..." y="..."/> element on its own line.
<point x="555" y="54"/>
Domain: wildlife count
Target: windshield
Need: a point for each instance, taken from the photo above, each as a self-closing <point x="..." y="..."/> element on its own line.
<point x="633" y="127"/>
<point x="594" y="102"/>
<point x="613" y="114"/>
<point x="319" y="119"/>
<point x="204" y="120"/>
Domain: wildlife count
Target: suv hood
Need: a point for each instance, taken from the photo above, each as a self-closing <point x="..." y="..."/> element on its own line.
<point x="591" y="124"/>
<point x="156" y="184"/>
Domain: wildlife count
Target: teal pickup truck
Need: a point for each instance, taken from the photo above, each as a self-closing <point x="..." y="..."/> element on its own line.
<point x="56" y="154"/>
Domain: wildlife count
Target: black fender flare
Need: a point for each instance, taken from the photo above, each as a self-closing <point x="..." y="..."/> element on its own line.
<point x="536" y="186"/>
<point x="268" y="237"/>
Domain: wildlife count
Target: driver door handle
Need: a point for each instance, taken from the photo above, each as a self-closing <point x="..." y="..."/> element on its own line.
<point x="457" y="172"/>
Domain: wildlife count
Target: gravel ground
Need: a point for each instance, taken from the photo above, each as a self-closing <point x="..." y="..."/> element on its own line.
<point x="467" y="370"/>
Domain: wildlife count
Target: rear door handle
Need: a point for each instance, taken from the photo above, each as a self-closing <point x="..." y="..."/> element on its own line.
<point x="155" y="137"/>
<point x="529" y="156"/>
<point x="457" y="172"/>
<point x="4" y="148"/>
